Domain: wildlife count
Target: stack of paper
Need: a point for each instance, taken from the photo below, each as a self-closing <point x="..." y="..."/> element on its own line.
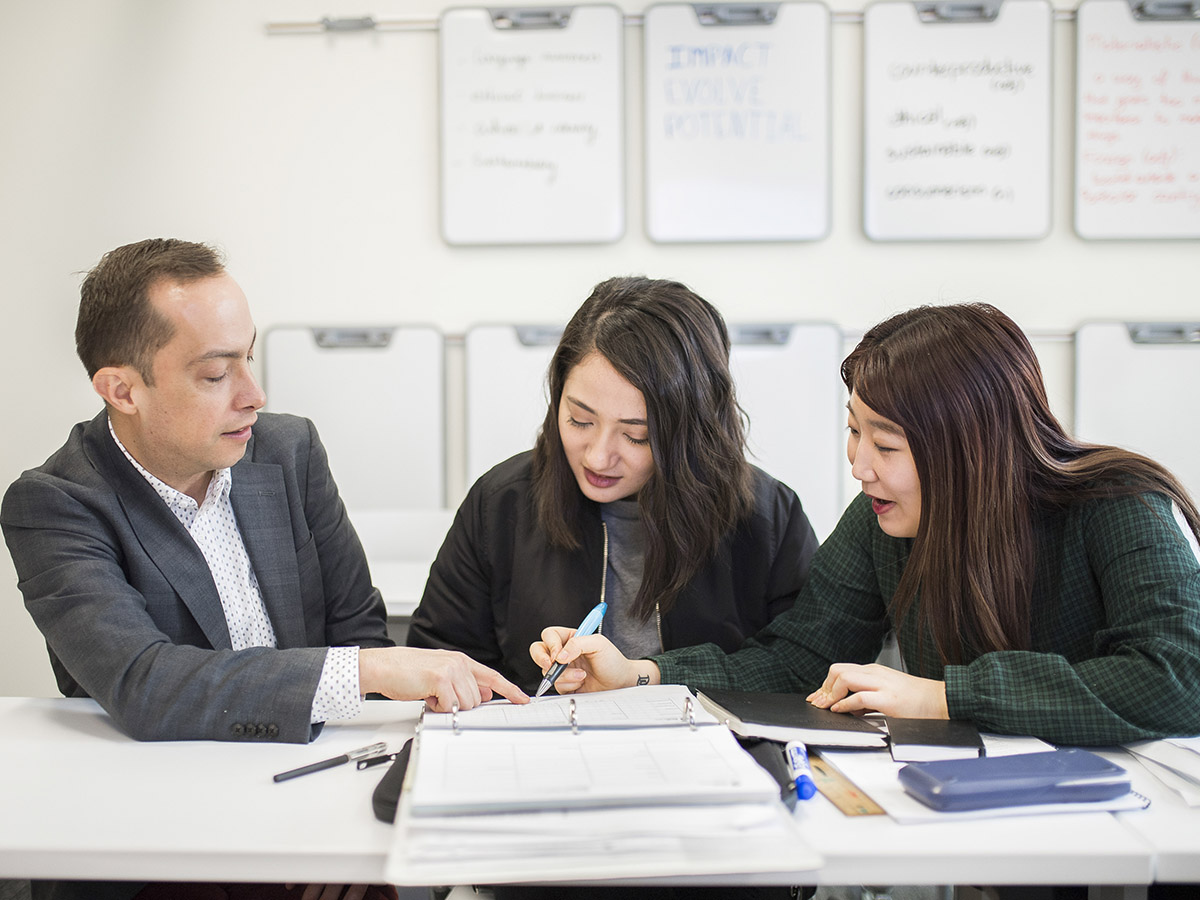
<point x="1175" y="762"/>
<point x="633" y="783"/>
<point x="581" y="845"/>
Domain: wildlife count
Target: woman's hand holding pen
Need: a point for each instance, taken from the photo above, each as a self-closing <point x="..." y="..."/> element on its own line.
<point x="593" y="663"/>
<point x="875" y="688"/>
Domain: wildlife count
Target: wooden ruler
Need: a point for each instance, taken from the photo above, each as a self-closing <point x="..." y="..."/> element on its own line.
<point x="841" y="791"/>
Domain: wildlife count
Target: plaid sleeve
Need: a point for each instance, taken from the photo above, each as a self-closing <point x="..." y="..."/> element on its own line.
<point x="839" y="617"/>
<point x="1137" y="577"/>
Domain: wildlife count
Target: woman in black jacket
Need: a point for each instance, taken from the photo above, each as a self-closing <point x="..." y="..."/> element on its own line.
<point x="637" y="492"/>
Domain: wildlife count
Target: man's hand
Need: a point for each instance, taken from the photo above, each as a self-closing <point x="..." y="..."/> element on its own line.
<point x="442" y="678"/>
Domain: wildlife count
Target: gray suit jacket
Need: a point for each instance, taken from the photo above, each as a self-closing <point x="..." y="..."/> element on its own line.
<point x="131" y="615"/>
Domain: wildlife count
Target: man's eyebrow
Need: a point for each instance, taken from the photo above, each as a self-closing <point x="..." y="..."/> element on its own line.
<point x="588" y="409"/>
<point x="225" y="354"/>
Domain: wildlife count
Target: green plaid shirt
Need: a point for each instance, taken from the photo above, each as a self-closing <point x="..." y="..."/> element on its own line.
<point x="1115" y="631"/>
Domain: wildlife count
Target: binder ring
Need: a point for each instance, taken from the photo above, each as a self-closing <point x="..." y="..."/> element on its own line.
<point x="454" y="718"/>
<point x="574" y="716"/>
<point x="689" y="713"/>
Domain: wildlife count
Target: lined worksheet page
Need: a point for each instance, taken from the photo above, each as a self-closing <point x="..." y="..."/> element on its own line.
<point x="489" y="770"/>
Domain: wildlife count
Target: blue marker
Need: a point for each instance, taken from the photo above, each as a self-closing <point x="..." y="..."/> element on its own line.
<point x="589" y="624"/>
<point x="797" y="757"/>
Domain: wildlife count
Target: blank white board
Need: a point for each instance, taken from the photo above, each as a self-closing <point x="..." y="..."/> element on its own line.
<point x="1135" y="387"/>
<point x="1137" y="126"/>
<point x="376" y="397"/>
<point x="401" y="545"/>
<point x="956" y="123"/>
<point x="532" y="116"/>
<point x="787" y="382"/>
<point x="506" y="390"/>
<point x="737" y="121"/>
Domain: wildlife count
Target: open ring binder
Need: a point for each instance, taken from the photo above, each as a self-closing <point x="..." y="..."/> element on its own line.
<point x="653" y="744"/>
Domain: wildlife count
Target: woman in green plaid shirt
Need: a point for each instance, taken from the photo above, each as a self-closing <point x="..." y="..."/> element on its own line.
<point x="1036" y="585"/>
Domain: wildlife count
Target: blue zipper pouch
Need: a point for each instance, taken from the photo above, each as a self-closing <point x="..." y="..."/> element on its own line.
<point x="1059" y="776"/>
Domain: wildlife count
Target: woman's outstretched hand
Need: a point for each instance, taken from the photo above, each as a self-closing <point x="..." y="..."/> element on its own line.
<point x="875" y="688"/>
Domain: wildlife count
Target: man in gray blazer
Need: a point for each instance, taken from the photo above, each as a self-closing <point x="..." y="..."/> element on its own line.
<point x="188" y="558"/>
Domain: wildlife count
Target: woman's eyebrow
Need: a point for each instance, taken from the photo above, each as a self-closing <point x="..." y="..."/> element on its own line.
<point x="588" y="409"/>
<point x="884" y="425"/>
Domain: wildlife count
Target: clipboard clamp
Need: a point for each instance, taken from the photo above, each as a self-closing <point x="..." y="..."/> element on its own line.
<point x="959" y="10"/>
<point x="1164" y="332"/>
<point x="352" y="338"/>
<point x="538" y="335"/>
<point x="1165" y="10"/>
<point x="530" y="17"/>
<point x="736" y="13"/>
<point x="768" y="335"/>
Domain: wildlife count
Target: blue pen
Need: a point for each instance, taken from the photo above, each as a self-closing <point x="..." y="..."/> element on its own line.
<point x="797" y="757"/>
<point x="589" y="624"/>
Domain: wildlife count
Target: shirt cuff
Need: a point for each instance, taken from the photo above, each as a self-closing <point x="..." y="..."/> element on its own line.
<point x="960" y="702"/>
<point x="337" y="694"/>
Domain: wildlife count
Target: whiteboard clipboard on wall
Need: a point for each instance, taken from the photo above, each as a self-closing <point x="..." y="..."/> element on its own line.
<point x="356" y="385"/>
<point x="506" y="401"/>
<point x="956" y="121"/>
<point x="737" y="123"/>
<point x="532" y="119"/>
<point x="788" y="383"/>
<point x="1137" y="120"/>
<point x="1134" y="387"/>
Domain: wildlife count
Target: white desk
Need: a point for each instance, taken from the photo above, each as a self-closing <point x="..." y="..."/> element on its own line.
<point x="75" y="791"/>
<point x="81" y="800"/>
<point x="1173" y="830"/>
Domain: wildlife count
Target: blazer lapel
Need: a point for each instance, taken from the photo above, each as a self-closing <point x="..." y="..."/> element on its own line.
<point x="162" y="536"/>
<point x="261" y="506"/>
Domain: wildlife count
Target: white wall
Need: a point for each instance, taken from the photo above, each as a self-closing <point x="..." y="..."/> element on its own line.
<point x="312" y="160"/>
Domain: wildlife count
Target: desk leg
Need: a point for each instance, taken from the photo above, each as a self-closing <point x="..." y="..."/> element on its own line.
<point x="1117" y="892"/>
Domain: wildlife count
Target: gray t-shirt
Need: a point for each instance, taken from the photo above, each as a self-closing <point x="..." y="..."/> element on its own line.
<point x="626" y="558"/>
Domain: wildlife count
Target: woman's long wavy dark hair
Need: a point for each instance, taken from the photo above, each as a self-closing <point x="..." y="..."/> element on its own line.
<point x="673" y="346"/>
<point x="965" y="385"/>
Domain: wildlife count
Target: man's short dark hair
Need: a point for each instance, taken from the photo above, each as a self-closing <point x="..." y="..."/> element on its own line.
<point x="117" y="324"/>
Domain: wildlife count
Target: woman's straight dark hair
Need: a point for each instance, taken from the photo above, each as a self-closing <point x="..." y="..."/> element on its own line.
<point x="673" y="346"/>
<point x="965" y="385"/>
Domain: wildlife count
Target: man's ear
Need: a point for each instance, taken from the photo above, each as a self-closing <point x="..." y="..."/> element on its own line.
<point x="115" y="385"/>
